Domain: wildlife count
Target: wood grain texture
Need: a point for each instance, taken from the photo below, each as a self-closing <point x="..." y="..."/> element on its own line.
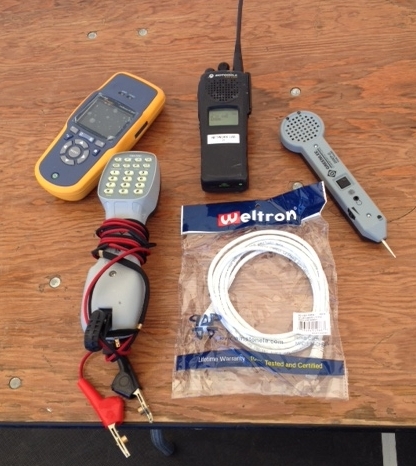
<point x="354" y="63"/>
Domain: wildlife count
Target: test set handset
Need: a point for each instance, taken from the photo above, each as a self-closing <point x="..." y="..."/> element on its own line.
<point x="224" y="104"/>
<point x="128" y="189"/>
<point x="116" y="292"/>
<point x="110" y="120"/>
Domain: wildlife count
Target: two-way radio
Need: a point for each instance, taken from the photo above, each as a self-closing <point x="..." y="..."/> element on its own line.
<point x="224" y="104"/>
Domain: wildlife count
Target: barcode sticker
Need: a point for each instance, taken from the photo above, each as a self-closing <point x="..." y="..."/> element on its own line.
<point x="312" y="323"/>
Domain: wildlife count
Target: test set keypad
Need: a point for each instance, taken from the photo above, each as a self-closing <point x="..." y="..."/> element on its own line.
<point x="128" y="176"/>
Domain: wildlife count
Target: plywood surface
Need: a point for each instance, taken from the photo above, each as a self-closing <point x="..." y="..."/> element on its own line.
<point x="354" y="65"/>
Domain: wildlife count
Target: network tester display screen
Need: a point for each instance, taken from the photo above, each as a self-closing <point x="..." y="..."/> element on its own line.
<point x="105" y="118"/>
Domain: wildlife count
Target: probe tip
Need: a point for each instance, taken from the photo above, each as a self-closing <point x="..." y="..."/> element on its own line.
<point x="388" y="248"/>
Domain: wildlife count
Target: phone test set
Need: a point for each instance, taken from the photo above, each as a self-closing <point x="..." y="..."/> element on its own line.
<point x="95" y="147"/>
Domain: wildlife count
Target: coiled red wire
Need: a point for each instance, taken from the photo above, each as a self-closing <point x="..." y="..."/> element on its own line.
<point x="128" y="238"/>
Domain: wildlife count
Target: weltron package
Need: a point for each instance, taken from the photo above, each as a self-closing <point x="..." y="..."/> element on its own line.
<point x="258" y="300"/>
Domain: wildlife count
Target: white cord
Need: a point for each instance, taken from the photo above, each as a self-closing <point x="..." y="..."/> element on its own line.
<point x="228" y="262"/>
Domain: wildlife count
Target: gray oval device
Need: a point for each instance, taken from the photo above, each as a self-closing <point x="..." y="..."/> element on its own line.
<point x="303" y="132"/>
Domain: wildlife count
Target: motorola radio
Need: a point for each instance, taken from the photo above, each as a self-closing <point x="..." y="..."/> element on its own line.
<point x="224" y="104"/>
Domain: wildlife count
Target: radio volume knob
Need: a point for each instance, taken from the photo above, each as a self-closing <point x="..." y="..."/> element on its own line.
<point x="223" y="66"/>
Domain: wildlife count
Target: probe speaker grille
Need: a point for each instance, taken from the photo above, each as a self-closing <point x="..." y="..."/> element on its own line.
<point x="222" y="89"/>
<point x="302" y="127"/>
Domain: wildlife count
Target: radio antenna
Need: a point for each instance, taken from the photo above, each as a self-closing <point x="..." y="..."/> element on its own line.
<point x="238" y="57"/>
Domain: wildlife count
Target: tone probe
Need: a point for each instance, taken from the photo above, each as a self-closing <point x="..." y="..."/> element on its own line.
<point x="303" y="132"/>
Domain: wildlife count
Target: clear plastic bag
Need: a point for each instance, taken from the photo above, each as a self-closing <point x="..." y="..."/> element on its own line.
<point x="281" y="335"/>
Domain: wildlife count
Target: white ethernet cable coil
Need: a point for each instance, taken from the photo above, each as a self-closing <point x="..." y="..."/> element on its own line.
<point x="231" y="258"/>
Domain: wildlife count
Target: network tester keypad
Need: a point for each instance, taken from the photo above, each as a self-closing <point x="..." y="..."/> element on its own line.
<point x="78" y="150"/>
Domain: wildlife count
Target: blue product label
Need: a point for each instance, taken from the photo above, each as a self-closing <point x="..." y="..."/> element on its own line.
<point x="290" y="208"/>
<point x="273" y="362"/>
